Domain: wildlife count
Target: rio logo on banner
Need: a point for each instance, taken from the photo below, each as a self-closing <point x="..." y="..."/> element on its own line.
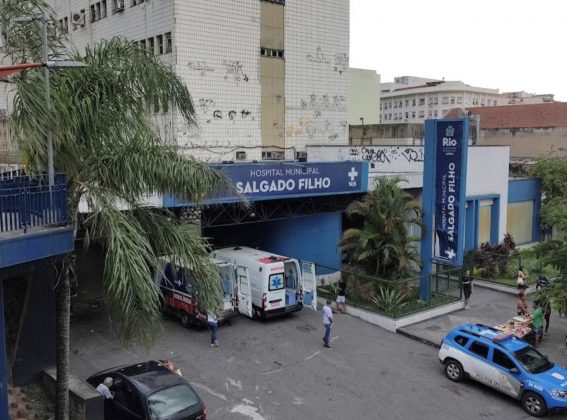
<point x="449" y="191"/>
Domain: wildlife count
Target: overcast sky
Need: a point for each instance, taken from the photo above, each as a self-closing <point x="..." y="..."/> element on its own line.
<point x="500" y="44"/>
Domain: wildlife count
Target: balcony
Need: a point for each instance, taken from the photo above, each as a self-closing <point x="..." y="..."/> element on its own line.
<point x="33" y="218"/>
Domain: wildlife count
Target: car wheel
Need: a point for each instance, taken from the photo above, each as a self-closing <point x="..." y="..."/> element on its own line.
<point x="534" y="404"/>
<point x="454" y="370"/>
<point x="185" y="320"/>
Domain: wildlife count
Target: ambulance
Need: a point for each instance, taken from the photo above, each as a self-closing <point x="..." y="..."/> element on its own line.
<point x="179" y="297"/>
<point x="277" y="285"/>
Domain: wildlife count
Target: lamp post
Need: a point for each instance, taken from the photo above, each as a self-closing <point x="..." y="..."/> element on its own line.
<point x="46" y="64"/>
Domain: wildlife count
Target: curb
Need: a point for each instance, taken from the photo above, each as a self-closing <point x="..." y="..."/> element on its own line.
<point x="417" y="338"/>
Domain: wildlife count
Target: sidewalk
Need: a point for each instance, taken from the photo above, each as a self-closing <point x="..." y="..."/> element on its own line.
<point x="489" y="307"/>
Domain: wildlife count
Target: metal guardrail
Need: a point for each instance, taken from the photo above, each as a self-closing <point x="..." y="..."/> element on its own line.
<point x="27" y="201"/>
<point x="397" y="298"/>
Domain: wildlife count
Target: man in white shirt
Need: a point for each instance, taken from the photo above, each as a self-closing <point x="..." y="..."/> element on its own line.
<point x="104" y="388"/>
<point x="327" y="321"/>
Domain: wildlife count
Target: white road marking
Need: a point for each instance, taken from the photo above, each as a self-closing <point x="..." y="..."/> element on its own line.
<point x="234" y="383"/>
<point x="313" y="355"/>
<point x="247" y="410"/>
<point x="210" y="391"/>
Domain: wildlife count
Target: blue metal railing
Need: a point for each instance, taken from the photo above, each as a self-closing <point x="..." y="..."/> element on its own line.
<point x="26" y="201"/>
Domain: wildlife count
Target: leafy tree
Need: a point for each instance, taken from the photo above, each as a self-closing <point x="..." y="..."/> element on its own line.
<point x="111" y="153"/>
<point x="382" y="246"/>
<point x="553" y="174"/>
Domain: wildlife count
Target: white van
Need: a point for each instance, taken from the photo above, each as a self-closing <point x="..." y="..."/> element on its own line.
<point x="278" y="284"/>
<point x="180" y="297"/>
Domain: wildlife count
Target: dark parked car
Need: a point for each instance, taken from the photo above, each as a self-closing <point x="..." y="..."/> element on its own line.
<point x="147" y="391"/>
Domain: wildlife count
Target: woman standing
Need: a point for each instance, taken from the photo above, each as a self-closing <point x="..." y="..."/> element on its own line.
<point x="522" y="276"/>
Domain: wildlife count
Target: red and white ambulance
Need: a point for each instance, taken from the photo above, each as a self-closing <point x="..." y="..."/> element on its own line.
<point x="179" y="294"/>
<point x="277" y="285"/>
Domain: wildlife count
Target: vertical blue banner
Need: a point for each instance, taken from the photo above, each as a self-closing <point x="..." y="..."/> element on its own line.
<point x="449" y="191"/>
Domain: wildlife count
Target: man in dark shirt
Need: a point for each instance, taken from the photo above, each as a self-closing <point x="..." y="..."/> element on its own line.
<point x="341" y="298"/>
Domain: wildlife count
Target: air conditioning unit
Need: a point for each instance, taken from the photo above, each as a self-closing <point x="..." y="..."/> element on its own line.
<point x="241" y="155"/>
<point x="301" y="156"/>
<point x="272" y="155"/>
<point x="118" y="6"/>
<point x="78" y="19"/>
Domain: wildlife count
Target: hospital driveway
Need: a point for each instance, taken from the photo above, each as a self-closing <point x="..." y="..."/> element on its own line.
<point x="280" y="370"/>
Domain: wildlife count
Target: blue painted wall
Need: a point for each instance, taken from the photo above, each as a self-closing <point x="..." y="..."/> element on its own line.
<point x="313" y="238"/>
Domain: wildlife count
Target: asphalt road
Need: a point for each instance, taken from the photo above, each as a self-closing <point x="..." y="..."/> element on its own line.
<point x="280" y="370"/>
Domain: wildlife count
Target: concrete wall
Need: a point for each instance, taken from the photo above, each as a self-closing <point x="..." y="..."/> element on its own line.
<point x="487" y="175"/>
<point x="364" y="97"/>
<point x="317" y="73"/>
<point x="528" y="142"/>
<point x="386" y="134"/>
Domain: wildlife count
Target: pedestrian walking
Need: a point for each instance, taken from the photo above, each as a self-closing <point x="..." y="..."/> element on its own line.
<point x="327" y="322"/>
<point x="341" y="296"/>
<point x="467" y="288"/>
<point x="546" y="314"/>
<point x="214" y="326"/>
<point x="538" y="322"/>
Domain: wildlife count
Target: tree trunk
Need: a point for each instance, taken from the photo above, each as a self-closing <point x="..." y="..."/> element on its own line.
<point x="63" y="337"/>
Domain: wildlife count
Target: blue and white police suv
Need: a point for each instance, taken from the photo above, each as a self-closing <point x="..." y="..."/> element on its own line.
<point x="507" y="364"/>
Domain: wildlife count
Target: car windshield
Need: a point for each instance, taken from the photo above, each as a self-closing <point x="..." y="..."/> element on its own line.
<point x="171" y="400"/>
<point x="532" y="360"/>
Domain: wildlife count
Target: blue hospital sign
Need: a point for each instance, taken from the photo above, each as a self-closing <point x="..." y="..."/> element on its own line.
<point x="284" y="180"/>
<point x="449" y="190"/>
<point x="269" y="181"/>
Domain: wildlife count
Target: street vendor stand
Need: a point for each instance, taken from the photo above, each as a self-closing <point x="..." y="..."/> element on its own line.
<point x="519" y="326"/>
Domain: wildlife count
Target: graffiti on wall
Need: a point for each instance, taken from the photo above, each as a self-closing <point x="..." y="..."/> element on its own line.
<point x="234" y="71"/>
<point x="387" y="154"/>
<point x="200" y="66"/>
<point x="323" y="101"/>
<point x="338" y="62"/>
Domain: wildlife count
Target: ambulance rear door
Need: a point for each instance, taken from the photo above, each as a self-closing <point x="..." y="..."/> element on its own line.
<point x="244" y="291"/>
<point x="309" y="283"/>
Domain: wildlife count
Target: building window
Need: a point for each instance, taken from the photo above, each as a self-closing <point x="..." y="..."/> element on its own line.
<point x="421" y="114"/>
<point x="268" y="52"/>
<point x="413" y="114"/>
<point x="136" y="2"/>
<point x="395" y="104"/>
<point x="117" y="6"/>
<point x="276" y="1"/>
<point x="520" y="220"/>
<point x="150" y="44"/>
<point x="435" y="113"/>
<point x="430" y="114"/>
<point x="494" y="103"/>
<point x="103" y="9"/>
<point x="452" y="100"/>
<point x="168" y="43"/>
<point x="421" y="101"/>
<point x="459" y="99"/>
<point x="407" y="103"/>
<point x="93" y="14"/>
<point x="435" y="100"/>
<point x="445" y="100"/>
<point x="159" y="41"/>
<point x="143" y="44"/>
<point x="407" y="115"/>
<point x="413" y="102"/>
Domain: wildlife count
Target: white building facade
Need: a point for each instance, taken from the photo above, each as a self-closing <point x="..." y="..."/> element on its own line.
<point x="414" y="99"/>
<point x="268" y="78"/>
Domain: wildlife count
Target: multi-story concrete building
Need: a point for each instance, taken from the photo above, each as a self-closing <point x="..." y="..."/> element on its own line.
<point x="268" y="77"/>
<point x="414" y="99"/>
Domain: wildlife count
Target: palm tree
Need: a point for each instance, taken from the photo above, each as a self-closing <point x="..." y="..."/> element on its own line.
<point x="111" y="153"/>
<point x="382" y="246"/>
